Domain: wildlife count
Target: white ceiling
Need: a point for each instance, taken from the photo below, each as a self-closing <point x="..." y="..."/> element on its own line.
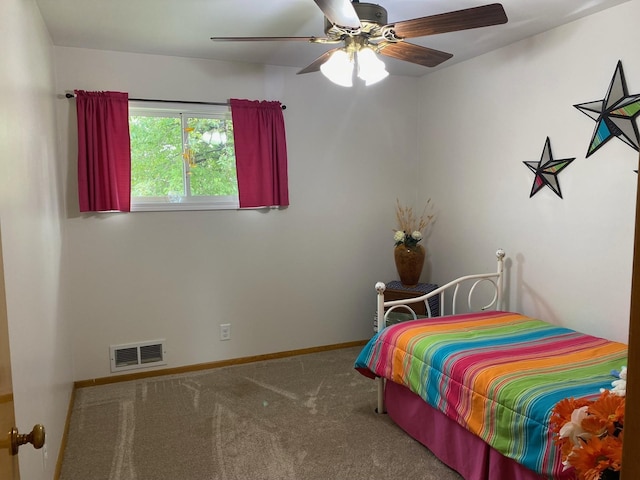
<point x="184" y="27"/>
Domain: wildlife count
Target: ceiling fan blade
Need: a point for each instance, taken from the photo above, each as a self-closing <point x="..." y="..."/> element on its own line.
<point x="410" y="52"/>
<point x="465" y="19"/>
<point x="339" y="12"/>
<point x="265" y="39"/>
<point x="315" y="65"/>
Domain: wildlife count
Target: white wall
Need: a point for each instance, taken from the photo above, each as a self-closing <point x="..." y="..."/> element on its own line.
<point x="308" y="270"/>
<point x="30" y="206"/>
<point x="147" y="275"/>
<point x="288" y="279"/>
<point x="570" y="258"/>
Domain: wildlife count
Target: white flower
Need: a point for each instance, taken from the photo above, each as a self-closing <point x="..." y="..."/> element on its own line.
<point x="619" y="385"/>
<point x="417" y="236"/>
<point x="573" y="429"/>
<point x="399" y="236"/>
<point x="619" y="388"/>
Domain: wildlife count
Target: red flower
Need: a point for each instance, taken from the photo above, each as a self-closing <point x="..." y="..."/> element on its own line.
<point x="596" y="456"/>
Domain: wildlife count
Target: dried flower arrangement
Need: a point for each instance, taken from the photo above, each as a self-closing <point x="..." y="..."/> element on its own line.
<point x="411" y="227"/>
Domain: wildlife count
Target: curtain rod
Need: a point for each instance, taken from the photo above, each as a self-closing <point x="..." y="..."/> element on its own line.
<point x="71" y="95"/>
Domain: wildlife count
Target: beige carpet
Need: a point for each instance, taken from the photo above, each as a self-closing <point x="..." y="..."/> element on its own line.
<point x="309" y="417"/>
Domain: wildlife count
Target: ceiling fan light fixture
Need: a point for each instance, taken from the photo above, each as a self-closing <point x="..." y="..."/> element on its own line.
<point x="339" y="68"/>
<point x="370" y="68"/>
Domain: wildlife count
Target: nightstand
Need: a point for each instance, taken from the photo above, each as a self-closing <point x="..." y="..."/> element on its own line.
<point x="396" y="291"/>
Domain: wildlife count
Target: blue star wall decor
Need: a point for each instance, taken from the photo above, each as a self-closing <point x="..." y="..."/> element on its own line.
<point x="615" y="115"/>
<point x="547" y="170"/>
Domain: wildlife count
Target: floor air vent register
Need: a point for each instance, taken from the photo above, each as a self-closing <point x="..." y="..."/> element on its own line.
<point x="137" y="355"/>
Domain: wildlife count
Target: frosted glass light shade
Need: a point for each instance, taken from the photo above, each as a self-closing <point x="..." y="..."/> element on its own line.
<point x="339" y="69"/>
<point x="370" y="68"/>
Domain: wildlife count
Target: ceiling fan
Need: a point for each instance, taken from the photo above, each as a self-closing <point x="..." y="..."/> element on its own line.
<point x="363" y="30"/>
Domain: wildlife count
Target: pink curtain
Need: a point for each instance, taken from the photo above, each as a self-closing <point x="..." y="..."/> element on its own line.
<point x="261" y="153"/>
<point x="104" y="152"/>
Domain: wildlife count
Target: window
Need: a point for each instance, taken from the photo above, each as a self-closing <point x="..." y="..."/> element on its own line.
<point x="182" y="158"/>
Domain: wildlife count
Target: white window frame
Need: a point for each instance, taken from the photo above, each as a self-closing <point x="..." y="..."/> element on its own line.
<point x="183" y="111"/>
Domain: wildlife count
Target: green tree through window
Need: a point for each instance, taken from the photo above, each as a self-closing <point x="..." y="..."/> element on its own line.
<point x="213" y="166"/>
<point x="182" y="157"/>
<point x="156" y="156"/>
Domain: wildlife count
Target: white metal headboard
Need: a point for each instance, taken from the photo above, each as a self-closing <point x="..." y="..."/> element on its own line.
<point x="494" y="278"/>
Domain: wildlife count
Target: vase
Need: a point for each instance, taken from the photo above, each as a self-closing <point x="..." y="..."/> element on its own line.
<point x="409" y="263"/>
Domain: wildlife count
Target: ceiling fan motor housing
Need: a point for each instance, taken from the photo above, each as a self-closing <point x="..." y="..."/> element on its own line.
<point x="368" y="13"/>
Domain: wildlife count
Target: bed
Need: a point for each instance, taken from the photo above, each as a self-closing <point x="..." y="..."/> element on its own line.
<point x="477" y="388"/>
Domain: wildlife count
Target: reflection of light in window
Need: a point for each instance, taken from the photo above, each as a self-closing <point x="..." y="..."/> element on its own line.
<point x="175" y="197"/>
<point x="215" y="137"/>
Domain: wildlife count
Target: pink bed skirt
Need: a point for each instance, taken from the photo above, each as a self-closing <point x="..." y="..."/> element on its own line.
<point x="455" y="446"/>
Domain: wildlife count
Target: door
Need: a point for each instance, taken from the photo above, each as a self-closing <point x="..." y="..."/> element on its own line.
<point x="8" y="462"/>
<point x="10" y="438"/>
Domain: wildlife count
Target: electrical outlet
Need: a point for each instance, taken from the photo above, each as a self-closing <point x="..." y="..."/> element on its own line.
<point x="225" y="331"/>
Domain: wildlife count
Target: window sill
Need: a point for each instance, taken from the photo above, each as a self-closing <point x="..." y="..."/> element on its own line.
<point x="166" y="206"/>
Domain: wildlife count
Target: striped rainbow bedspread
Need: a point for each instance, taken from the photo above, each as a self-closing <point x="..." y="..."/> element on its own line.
<point x="498" y="374"/>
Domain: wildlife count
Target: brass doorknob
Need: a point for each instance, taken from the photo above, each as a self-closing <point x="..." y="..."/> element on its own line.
<point x="36" y="438"/>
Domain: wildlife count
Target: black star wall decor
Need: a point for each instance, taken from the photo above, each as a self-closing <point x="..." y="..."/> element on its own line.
<point x="615" y="115"/>
<point x="547" y="170"/>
